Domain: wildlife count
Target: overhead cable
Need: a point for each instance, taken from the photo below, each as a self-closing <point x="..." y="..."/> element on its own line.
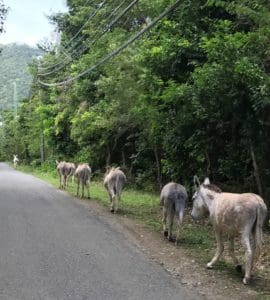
<point x="115" y="52"/>
<point x="82" y="27"/>
<point x="106" y="28"/>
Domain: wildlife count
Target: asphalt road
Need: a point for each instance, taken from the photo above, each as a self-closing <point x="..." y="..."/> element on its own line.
<point x="51" y="247"/>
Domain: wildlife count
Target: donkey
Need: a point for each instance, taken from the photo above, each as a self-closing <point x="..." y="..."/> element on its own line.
<point x="114" y="182"/>
<point x="83" y="175"/>
<point x="15" y="160"/>
<point x="234" y="215"/>
<point x="72" y="168"/>
<point x="173" y="198"/>
<point x="65" y="170"/>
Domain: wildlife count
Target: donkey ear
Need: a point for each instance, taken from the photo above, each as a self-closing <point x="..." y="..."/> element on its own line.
<point x="206" y="181"/>
<point x="196" y="181"/>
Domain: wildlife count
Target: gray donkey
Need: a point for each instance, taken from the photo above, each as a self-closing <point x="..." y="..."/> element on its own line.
<point x="83" y="175"/>
<point x="65" y="171"/>
<point x="114" y="182"/>
<point x="173" y="198"/>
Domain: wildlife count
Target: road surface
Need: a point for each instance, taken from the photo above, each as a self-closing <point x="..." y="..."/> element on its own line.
<point x="52" y="248"/>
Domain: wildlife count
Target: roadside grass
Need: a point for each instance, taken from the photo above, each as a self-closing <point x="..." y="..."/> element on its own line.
<point x="197" y="238"/>
<point x="144" y="207"/>
<point x="136" y="204"/>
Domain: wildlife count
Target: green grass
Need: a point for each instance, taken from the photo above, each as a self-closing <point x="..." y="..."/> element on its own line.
<point x="197" y="239"/>
<point x="143" y="207"/>
<point x="138" y="205"/>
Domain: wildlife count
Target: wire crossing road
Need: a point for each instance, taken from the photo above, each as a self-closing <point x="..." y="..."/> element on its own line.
<point x="51" y="247"/>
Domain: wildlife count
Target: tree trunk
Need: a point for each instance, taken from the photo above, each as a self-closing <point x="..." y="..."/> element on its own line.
<point x="158" y="166"/>
<point x="42" y="148"/>
<point x="256" y="171"/>
<point x="108" y="158"/>
<point x="123" y="160"/>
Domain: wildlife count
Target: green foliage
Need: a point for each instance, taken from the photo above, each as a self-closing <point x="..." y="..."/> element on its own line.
<point x="191" y="97"/>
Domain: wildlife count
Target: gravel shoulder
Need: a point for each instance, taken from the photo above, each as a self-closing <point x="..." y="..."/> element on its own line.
<point x="210" y="284"/>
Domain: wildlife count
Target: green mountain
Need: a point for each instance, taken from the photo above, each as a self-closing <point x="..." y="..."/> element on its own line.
<point x="15" y="79"/>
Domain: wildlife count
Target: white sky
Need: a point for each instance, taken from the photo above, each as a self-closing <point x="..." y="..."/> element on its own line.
<point x="26" y="21"/>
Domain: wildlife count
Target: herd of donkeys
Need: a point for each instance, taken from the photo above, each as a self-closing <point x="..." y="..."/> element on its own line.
<point x="231" y="214"/>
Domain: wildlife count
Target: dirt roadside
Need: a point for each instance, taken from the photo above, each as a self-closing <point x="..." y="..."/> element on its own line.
<point x="210" y="284"/>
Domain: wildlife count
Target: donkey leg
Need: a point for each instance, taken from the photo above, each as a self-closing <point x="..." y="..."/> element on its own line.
<point x="65" y="182"/>
<point x="164" y="218"/>
<point x="248" y="257"/>
<point x="117" y="201"/>
<point x="88" y="186"/>
<point x="78" y="187"/>
<point x="82" y="189"/>
<point x="113" y="204"/>
<point x="171" y="217"/>
<point x="219" y="250"/>
<point x="88" y="191"/>
<point x="112" y="198"/>
<point x="238" y="267"/>
<point x="179" y="227"/>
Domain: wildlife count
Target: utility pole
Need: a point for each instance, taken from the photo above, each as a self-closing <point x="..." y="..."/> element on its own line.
<point x="42" y="137"/>
<point x="15" y="98"/>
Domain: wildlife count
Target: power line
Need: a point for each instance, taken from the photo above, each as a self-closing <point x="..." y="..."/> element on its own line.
<point x="89" y="19"/>
<point x="115" y="52"/>
<point x="69" y="58"/>
<point x="81" y="28"/>
<point x="96" y="37"/>
<point x="107" y="19"/>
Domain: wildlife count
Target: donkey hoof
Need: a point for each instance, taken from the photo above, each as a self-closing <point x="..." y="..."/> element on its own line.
<point x="246" y="280"/>
<point x="165" y="233"/>
<point x="238" y="268"/>
<point x="209" y="266"/>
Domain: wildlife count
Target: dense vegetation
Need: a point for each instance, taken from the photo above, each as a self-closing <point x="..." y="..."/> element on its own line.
<point x="189" y="97"/>
<point x="15" y="79"/>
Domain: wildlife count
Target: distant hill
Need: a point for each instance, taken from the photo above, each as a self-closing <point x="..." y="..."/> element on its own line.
<point x="15" y="79"/>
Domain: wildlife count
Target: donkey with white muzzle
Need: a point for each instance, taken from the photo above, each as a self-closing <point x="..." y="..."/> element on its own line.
<point x="232" y="215"/>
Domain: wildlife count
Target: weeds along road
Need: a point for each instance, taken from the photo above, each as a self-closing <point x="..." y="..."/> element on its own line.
<point x="51" y="247"/>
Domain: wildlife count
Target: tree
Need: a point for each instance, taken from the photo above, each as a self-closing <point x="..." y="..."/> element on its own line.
<point x="190" y="97"/>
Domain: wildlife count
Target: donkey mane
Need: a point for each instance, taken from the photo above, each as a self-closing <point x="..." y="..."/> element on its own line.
<point x="212" y="187"/>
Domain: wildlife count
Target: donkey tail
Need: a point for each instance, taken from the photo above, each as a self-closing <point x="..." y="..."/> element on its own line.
<point x="258" y="232"/>
<point x="117" y="189"/>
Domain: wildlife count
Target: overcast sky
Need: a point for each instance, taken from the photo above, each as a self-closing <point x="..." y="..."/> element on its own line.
<point x="26" y="21"/>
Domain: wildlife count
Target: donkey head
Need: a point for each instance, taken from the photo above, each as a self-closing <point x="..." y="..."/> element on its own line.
<point x="199" y="208"/>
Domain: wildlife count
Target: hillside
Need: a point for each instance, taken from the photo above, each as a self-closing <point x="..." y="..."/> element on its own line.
<point x="14" y="76"/>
